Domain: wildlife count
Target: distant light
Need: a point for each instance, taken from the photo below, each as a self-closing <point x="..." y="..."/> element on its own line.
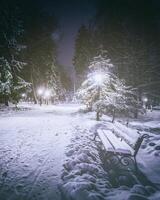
<point x="47" y="94"/>
<point x="98" y="78"/>
<point x="145" y="99"/>
<point x="40" y="91"/>
<point x="23" y="95"/>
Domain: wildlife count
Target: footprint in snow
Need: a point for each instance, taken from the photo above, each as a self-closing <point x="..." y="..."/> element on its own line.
<point x="4" y="175"/>
<point x="40" y="161"/>
<point x="152" y="144"/>
<point x="157" y="147"/>
<point x="54" y="174"/>
<point x="19" y="188"/>
<point x="157" y="154"/>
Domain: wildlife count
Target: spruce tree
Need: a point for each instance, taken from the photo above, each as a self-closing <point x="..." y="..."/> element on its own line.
<point x="104" y="92"/>
<point x="11" y="25"/>
<point x="53" y="82"/>
<point x="84" y="52"/>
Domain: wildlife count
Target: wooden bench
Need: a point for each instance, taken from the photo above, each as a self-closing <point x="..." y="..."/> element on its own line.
<point x="117" y="150"/>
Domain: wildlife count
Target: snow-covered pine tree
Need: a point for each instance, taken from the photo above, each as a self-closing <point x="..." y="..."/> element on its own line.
<point x="104" y="92"/>
<point x="94" y="88"/>
<point x="11" y="84"/>
<point x="120" y="99"/>
<point x="5" y="80"/>
<point x="54" y="84"/>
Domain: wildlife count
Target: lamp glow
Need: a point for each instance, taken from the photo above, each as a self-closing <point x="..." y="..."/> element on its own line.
<point x="47" y="94"/>
<point x="145" y="99"/>
<point x="23" y="95"/>
<point x="98" y="78"/>
<point x="40" y="91"/>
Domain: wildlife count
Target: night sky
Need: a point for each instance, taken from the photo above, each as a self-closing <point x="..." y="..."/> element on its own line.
<point x="71" y="14"/>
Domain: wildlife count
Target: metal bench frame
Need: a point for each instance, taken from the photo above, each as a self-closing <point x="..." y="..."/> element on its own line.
<point x="121" y="158"/>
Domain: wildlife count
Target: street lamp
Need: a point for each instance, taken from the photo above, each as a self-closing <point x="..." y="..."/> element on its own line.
<point x="145" y="100"/>
<point x="40" y="92"/>
<point x="23" y="95"/>
<point x="47" y="95"/>
<point x="99" y="79"/>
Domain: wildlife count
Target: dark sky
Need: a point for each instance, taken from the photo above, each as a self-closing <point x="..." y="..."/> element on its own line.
<point x="71" y="14"/>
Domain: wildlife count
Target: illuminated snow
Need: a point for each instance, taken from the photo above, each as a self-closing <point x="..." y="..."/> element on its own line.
<point x="47" y="148"/>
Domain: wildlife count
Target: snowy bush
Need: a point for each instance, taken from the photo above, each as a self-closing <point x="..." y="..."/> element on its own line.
<point x="83" y="176"/>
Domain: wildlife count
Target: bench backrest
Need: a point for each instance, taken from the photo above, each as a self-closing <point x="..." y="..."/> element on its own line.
<point x="138" y="143"/>
<point x="108" y="144"/>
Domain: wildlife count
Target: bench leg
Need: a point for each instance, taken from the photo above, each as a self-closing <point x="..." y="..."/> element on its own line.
<point x="136" y="166"/>
<point x="95" y="135"/>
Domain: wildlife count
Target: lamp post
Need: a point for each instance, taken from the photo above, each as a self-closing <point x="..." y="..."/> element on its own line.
<point x="23" y="95"/>
<point x="98" y="79"/>
<point x="145" y="100"/>
<point x="47" y="95"/>
<point x="40" y="92"/>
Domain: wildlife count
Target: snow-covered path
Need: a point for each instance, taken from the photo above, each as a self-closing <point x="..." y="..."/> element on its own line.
<point x="32" y="151"/>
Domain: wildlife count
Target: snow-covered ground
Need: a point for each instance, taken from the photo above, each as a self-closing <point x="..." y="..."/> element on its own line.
<point x="32" y="145"/>
<point x="84" y="176"/>
<point x="48" y="153"/>
<point x="149" y="156"/>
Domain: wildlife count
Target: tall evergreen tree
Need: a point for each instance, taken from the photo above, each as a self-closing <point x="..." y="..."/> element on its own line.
<point x="12" y="29"/>
<point x="39" y="25"/>
<point x="84" y="51"/>
<point x="53" y="82"/>
<point x="104" y="92"/>
<point x="129" y="30"/>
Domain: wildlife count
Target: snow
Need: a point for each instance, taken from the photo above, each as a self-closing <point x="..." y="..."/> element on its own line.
<point x="149" y="157"/>
<point x="80" y="177"/>
<point x="83" y="176"/>
<point x="112" y="143"/>
<point x="32" y="146"/>
<point x="48" y="152"/>
<point x="149" y="121"/>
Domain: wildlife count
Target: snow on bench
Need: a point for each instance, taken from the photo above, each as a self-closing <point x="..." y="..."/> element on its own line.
<point x="113" y="143"/>
<point x="116" y="147"/>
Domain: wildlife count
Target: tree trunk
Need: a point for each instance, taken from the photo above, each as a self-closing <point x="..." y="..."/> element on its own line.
<point x="97" y="116"/>
<point x="136" y="114"/>
<point x="6" y="100"/>
<point x="113" y="116"/>
<point x="98" y="109"/>
<point x="33" y="89"/>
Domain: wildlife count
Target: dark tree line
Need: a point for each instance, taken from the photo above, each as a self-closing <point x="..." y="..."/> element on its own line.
<point x="28" y="52"/>
<point x="12" y="29"/>
<point x="129" y="31"/>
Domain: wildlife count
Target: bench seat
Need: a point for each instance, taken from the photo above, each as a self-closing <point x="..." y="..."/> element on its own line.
<point x="113" y="143"/>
